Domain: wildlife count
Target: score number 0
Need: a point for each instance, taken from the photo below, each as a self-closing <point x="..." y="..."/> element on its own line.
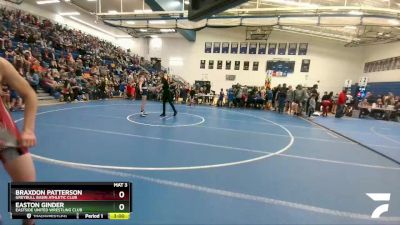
<point x="121" y="194"/>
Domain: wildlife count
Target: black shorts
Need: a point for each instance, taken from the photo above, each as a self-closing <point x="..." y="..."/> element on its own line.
<point x="144" y="92"/>
<point x="9" y="154"/>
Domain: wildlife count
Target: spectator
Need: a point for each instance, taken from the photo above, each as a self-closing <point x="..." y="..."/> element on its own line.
<point x="370" y="98"/>
<point x="326" y="103"/>
<point x="49" y="85"/>
<point x="389" y="99"/>
<point x="312" y="105"/>
<point x="231" y="97"/>
<point x="270" y="96"/>
<point x="221" y="98"/>
<point x="16" y="101"/>
<point x="122" y="87"/>
<point x="299" y="96"/>
<point x="334" y="103"/>
<point x="364" y="108"/>
<point x="281" y="98"/>
<point x="312" y="91"/>
<point x="274" y="100"/>
<point x="5" y="95"/>
<point x="192" y="94"/>
<point x="184" y="93"/>
<point x="33" y="79"/>
<point x="289" y="99"/>
<point x="341" y="104"/>
<point x="67" y="91"/>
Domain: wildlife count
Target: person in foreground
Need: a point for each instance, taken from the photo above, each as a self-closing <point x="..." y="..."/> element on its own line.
<point x="166" y="95"/>
<point x="17" y="161"/>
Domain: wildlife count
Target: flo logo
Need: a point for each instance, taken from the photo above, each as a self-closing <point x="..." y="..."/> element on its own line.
<point x="379" y="197"/>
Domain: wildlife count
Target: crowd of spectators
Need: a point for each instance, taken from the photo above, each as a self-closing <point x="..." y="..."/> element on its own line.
<point x="282" y="98"/>
<point x="308" y="101"/>
<point x="379" y="106"/>
<point x="68" y="64"/>
<point x="73" y="66"/>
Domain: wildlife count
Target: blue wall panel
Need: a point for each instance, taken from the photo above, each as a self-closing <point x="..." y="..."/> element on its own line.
<point x="381" y="88"/>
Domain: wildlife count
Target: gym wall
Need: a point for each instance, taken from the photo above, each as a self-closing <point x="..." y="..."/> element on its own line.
<point x="331" y="62"/>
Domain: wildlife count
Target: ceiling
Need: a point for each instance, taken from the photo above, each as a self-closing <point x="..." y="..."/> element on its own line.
<point x="354" y="22"/>
<point x="378" y="26"/>
<point x="108" y="5"/>
<point x="395" y="4"/>
<point x="131" y="5"/>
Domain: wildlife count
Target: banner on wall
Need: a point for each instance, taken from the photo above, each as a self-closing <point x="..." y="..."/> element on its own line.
<point x="379" y="65"/>
<point x="303" y="48"/>
<point x="262" y="47"/>
<point x="347" y="83"/>
<point x="305" y="65"/>
<point x="225" y="47"/>
<point x="382" y="65"/>
<point x="292" y="49"/>
<point x="271" y="48"/>
<point x="207" y="47"/>
<point x="228" y="64"/>
<point x="392" y="64"/>
<point x="219" y="64"/>
<point x="237" y="65"/>
<point x="202" y="64"/>
<point x="217" y="47"/>
<point x="366" y="67"/>
<point x="210" y="64"/>
<point x="252" y="48"/>
<point x="243" y="47"/>
<point x="234" y="47"/>
<point x="255" y="66"/>
<point x="388" y="62"/>
<point x="246" y="65"/>
<point x="370" y="66"/>
<point x="397" y="63"/>
<point x="282" y="48"/>
<point x="363" y="81"/>
<point x="373" y="66"/>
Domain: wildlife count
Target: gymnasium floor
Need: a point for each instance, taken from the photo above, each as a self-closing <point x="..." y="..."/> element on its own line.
<point x="379" y="135"/>
<point x="213" y="166"/>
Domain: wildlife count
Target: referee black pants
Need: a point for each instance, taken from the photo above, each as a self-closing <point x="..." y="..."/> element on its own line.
<point x="170" y="103"/>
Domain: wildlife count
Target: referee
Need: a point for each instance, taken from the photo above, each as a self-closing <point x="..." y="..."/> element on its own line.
<point x="166" y="95"/>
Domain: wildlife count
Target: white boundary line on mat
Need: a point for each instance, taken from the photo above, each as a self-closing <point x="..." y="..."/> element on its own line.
<point x="268" y="155"/>
<point x="166" y="118"/>
<point x="241" y="196"/>
<point x="372" y="129"/>
<point x="239" y="149"/>
<point x="226" y="147"/>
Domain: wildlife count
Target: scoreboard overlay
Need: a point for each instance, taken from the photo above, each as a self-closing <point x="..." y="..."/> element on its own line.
<point x="70" y="200"/>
